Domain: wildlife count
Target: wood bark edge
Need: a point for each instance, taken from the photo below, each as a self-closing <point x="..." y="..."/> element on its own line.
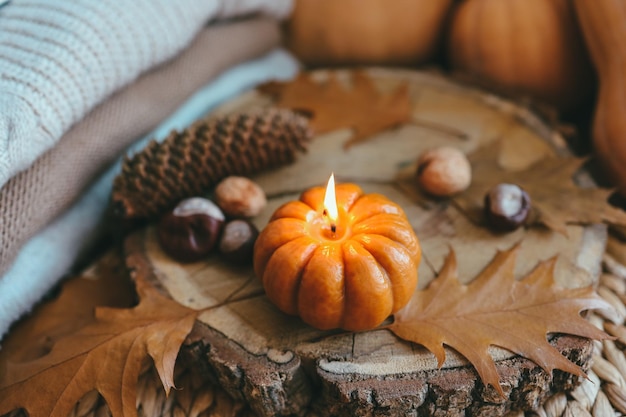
<point x="297" y="385"/>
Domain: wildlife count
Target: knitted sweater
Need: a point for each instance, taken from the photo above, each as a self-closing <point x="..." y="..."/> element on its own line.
<point x="60" y="58"/>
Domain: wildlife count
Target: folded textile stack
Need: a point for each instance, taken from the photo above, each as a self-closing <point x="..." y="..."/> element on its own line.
<point x="82" y="80"/>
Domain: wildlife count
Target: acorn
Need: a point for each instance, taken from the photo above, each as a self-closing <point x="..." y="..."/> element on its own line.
<point x="443" y="171"/>
<point x="240" y="197"/>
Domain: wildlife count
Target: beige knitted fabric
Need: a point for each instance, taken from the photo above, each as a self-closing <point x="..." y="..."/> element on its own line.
<point x="60" y="58"/>
<point x="34" y="197"/>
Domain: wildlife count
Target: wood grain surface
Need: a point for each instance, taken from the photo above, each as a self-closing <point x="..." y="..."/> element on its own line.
<point x="280" y="366"/>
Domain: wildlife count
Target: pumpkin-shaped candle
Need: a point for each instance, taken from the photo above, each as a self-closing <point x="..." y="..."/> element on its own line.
<point x="348" y="263"/>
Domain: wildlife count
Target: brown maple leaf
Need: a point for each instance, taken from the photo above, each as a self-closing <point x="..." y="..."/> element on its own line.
<point x="556" y="200"/>
<point x="332" y="106"/>
<point x="106" y="355"/>
<point x="495" y="309"/>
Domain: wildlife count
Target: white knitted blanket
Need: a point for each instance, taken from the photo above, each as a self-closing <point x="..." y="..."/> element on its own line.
<point x="60" y="58"/>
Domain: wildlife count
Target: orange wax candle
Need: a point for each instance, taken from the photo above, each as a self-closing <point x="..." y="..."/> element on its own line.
<point x="346" y="262"/>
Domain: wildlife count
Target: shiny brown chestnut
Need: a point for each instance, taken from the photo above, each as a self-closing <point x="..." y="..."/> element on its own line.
<point x="190" y="231"/>
<point x="237" y="241"/>
<point x="506" y="207"/>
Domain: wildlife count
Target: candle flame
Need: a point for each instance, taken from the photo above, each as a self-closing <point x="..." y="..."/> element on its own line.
<point x="330" y="201"/>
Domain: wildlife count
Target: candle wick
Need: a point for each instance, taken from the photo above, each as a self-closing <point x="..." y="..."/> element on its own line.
<point x="333" y="226"/>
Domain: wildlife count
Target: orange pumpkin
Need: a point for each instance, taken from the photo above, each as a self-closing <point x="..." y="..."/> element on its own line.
<point x="382" y="32"/>
<point x="351" y="279"/>
<point x="522" y="47"/>
<point x="604" y="26"/>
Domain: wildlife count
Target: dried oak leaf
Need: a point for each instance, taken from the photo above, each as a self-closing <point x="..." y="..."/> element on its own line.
<point x="105" y="283"/>
<point x="495" y="309"/>
<point x="106" y="355"/>
<point x="332" y="106"/>
<point x="555" y="198"/>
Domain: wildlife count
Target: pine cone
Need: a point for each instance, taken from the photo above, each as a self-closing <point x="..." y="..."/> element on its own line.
<point x="190" y="162"/>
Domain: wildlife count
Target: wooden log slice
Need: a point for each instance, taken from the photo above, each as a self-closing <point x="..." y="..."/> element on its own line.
<point x="281" y="366"/>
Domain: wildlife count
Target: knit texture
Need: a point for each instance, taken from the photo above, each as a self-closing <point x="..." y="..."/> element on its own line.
<point x="35" y="196"/>
<point x="60" y="58"/>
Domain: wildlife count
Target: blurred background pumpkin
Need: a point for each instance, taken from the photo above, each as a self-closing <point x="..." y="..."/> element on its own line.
<point x="528" y="48"/>
<point x="604" y="27"/>
<point x="348" y="32"/>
